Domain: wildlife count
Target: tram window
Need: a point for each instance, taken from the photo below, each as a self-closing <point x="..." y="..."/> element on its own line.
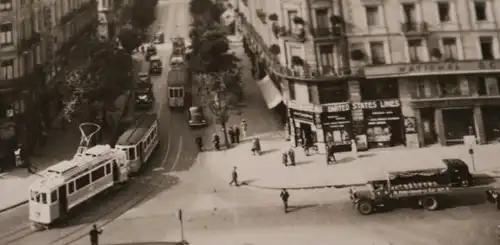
<point x="38" y="198"/>
<point x="131" y="153"/>
<point x="44" y="198"/>
<point x="33" y="196"/>
<point x="82" y="182"/>
<point x="98" y="173"/>
<point x="108" y="167"/>
<point x="53" y="196"/>
<point x="171" y="93"/>
<point x="71" y="187"/>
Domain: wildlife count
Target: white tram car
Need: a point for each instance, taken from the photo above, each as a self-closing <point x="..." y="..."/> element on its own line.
<point x="69" y="183"/>
<point x="139" y="141"/>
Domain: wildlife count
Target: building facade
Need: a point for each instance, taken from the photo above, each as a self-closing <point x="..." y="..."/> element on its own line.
<point x="380" y="72"/>
<point x="21" y="71"/>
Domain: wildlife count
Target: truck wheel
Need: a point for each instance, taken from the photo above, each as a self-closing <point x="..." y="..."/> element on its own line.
<point x="430" y="203"/>
<point x="365" y="207"/>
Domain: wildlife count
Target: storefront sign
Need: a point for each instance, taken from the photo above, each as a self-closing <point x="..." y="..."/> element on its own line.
<point x="302" y="115"/>
<point x="339" y="107"/>
<point x="335" y="119"/>
<point x="466" y="66"/>
<point x="337" y="126"/>
<point x="376" y="104"/>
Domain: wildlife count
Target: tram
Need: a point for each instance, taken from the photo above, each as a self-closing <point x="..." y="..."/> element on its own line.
<point x="139" y="141"/>
<point x="70" y="183"/>
<point x="177" y="80"/>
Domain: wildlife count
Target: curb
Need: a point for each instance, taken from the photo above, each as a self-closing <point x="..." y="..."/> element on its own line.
<point x="304" y="187"/>
<point x="13" y="206"/>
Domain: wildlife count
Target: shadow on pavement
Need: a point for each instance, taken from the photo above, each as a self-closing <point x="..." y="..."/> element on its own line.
<point x="304" y="162"/>
<point x="345" y="160"/>
<point x="268" y="151"/>
<point x="248" y="182"/>
<point x="149" y="243"/>
<point x="295" y="208"/>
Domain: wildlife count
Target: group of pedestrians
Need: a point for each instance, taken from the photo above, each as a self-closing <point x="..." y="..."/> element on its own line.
<point x="235" y="134"/>
<point x="288" y="155"/>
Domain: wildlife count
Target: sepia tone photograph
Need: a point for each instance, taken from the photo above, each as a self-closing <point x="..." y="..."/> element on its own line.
<point x="249" y="122"/>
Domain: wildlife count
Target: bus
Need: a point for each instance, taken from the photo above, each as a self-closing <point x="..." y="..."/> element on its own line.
<point x="139" y="141"/>
<point x="177" y="90"/>
<point x="72" y="182"/>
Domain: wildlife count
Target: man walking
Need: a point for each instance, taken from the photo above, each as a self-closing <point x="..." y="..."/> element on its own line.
<point x="230" y="132"/>
<point x="94" y="235"/>
<point x="234" y="178"/>
<point x="291" y="155"/>
<point x="330" y="156"/>
<point x="237" y="133"/>
<point x="284" y="158"/>
<point x="284" y="197"/>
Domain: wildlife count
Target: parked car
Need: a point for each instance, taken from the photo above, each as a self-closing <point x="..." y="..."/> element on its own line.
<point x="159" y="38"/>
<point x="150" y="51"/>
<point x="144" y="98"/>
<point x="155" y="65"/>
<point x="196" y="117"/>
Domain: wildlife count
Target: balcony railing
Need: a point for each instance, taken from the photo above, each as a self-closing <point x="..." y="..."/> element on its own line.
<point x="414" y="28"/>
<point x="327" y="32"/>
<point x="306" y="73"/>
<point x="294" y="34"/>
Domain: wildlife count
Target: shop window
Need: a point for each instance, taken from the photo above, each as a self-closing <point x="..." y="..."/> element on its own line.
<point x="333" y="93"/>
<point x="291" y="90"/>
<point x="375" y="90"/>
<point x="449" y="87"/>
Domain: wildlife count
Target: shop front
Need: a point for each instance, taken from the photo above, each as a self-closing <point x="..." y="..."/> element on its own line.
<point x="305" y="126"/>
<point x="383" y="122"/>
<point x="337" y="127"/>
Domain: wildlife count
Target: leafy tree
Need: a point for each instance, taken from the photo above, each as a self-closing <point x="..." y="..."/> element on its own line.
<point x="143" y="13"/>
<point x="130" y="38"/>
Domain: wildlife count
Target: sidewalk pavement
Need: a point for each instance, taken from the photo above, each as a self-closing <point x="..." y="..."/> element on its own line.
<point x="267" y="171"/>
<point x="60" y="145"/>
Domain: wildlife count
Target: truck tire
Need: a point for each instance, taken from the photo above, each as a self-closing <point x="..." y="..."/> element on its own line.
<point x="429" y="202"/>
<point x="365" y="207"/>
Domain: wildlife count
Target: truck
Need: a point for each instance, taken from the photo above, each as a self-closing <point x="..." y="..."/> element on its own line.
<point x="424" y="187"/>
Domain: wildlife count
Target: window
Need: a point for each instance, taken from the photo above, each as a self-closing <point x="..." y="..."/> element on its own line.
<point x="322" y="19"/>
<point x="171" y="93"/>
<point x="480" y="10"/>
<point x="481" y="86"/>
<point x="372" y="15"/>
<point x="409" y="12"/>
<point x="420" y="89"/>
<point x="6" y="35"/>
<point x="131" y="153"/>
<point x="333" y="93"/>
<point x="53" y="197"/>
<point x="449" y="87"/>
<point x="414" y="47"/>
<point x="98" y="173"/>
<point x="377" y="53"/>
<point x="5" y="5"/>
<point x="7" y="69"/>
<point x="444" y="11"/>
<point x="82" y="181"/>
<point x="71" y="187"/>
<point x="108" y="167"/>
<point x="376" y="91"/>
<point x="486" y="45"/>
<point x="450" y="50"/>
<point x="291" y="15"/>
<point x="310" y="93"/>
<point x="291" y="89"/>
<point x="44" y="198"/>
<point x="326" y="58"/>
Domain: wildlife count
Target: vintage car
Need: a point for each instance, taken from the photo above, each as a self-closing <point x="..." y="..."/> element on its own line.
<point x="150" y="51"/>
<point x="176" y="62"/>
<point x="159" y="38"/>
<point x="155" y="65"/>
<point x="196" y="117"/>
<point x="144" y="98"/>
<point x="424" y="187"/>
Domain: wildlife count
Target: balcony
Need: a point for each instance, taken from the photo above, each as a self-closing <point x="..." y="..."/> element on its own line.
<point x="26" y="44"/>
<point x="304" y="73"/>
<point x="327" y="32"/>
<point x="414" y="28"/>
<point x="293" y="35"/>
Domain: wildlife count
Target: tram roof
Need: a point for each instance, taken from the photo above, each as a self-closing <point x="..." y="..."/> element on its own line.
<point x="135" y="133"/>
<point x="177" y="77"/>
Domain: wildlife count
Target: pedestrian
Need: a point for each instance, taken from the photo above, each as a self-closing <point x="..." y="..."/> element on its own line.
<point x="237" y="133"/>
<point x="284" y="197"/>
<point x="256" y="146"/>
<point x="94" y="235"/>
<point x="354" y="149"/>
<point x="330" y="156"/>
<point x="230" y="133"/>
<point x="216" y="141"/>
<point x="284" y="158"/>
<point x="244" y="128"/>
<point x="234" y="178"/>
<point x="291" y="154"/>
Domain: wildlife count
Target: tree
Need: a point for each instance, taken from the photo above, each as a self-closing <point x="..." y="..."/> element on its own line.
<point x="143" y="13"/>
<point x="216" y="71"/>
<point x="129" y="37"/>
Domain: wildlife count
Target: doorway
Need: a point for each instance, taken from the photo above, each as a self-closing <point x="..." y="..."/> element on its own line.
<point x="429" y="126"/>
<point x="457" y="124"/>
<point x="307" y="133"/>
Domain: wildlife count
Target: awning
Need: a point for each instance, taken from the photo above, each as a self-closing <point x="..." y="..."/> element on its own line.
<point x="271" y="94"/>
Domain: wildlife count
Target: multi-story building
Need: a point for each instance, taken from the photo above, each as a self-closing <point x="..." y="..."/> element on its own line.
<point x="381" y="72"/>
<point x="21" y="70"/>
<point x="35" y="38"/>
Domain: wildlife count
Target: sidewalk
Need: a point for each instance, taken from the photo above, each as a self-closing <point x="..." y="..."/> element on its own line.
<point x="60" y="145"/>
<point x="267" y="170"/>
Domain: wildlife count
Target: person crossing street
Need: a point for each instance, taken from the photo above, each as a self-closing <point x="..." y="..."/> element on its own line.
<point x="234" y="178"/>
<point x="94" y="235"/>
<point x="284" y="197"/>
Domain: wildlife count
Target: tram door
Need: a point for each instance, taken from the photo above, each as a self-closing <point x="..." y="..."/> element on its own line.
<point x="63" y="201"/>
<point x="140" y="150"/>
<point x="116" y="171"/>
